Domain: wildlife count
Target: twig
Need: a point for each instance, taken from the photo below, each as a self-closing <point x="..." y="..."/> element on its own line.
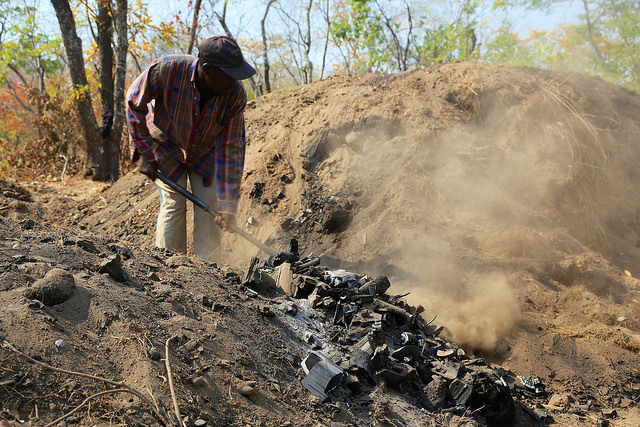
<point x="77" y="408"/>
<point x="64" y="169"/>
<point x="138" y="394"/>
<point x="170" y="375"/>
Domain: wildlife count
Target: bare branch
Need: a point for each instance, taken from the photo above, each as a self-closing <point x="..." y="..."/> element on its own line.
<point x="194" y="26"/>
<point x="326" y="39"/>
<point x="176" y="408"/>
<point x="406" y="48"/>
<point x="87" y="400"/>
<point x="589" y="34"/>
<point x="19" y="74"/>
<point x="397" y="49"/>
<point x="223" y="19"/>
<point x="265" y="55"/>
<point x="17" y="97"/>
<point x="132" y="390"/>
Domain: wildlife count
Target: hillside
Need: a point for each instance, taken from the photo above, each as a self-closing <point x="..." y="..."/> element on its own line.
<point x="503" y="200"/>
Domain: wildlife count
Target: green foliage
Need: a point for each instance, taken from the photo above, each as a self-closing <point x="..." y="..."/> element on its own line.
<point x="23" y="45"/>
<point x="447" y="43"/>
<point x="613" y="30"/>
<point x="393" y="36"/>
<point x="605" y="42"/>
<point x="359" y="29"/>
<point x="146" y="39"/>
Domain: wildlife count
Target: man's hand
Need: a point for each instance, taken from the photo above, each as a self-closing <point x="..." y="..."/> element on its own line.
<point x="226" y="222"/>
<point x="148" y="168"/>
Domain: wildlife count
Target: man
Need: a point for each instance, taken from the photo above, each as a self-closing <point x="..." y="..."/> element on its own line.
<point x="186" y="119"/>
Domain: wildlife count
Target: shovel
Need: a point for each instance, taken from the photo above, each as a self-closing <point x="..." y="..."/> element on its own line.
<point x="202" y="205"/>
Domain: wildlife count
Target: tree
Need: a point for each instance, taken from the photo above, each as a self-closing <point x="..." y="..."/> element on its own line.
<point x="95" y="165"/>
<point x="605" y="41"/>
<point x="612" y="30"/>
<point x="102" y="145"/>
<point x="299" y="39"/>
<point x="265" y="49"/>
<point x="112" y="85"/>
<point x="27" y="55"/>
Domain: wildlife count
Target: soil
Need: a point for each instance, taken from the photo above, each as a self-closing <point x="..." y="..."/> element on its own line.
<point x="504" y="200"/>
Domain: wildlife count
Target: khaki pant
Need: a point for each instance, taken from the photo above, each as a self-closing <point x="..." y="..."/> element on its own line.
<point x="171" y="229"/>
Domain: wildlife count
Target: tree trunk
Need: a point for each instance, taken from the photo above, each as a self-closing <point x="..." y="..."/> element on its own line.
<point x="194" y="26"/>
<point x="307" y="46"/>
<point x="88" y="123"/>
<point x="267" y="83"/>
<point x="121" y="71"/>
<point x="105" y="54"/>
<point x="326" y="40"/>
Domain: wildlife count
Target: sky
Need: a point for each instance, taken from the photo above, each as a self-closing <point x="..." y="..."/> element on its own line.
<point x="565" y="11"/>
<point x="250" y="11"/>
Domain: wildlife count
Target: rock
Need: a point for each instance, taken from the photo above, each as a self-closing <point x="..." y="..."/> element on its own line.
<point x="54" y="288"/>
<point x="179" y="261"/>
<point x="247" y="389"/>
<point x="360" y="360"/>
<point x="625" y="403"/>
<point x="113" y="267"/>
<point x="27" y="224"/>
<point x="266" y="311"/>
<point x="380" y="357"/>
<point x="88" y="246"/>
<point x="154" y="354"/>
<point x="436" y="392"/>
<point x="560" y="400"/>
<point x="205" y="301"/>
<point x="124" y="252"/>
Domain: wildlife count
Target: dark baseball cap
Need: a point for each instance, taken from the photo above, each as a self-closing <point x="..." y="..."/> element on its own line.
<point x="223" y="52"/>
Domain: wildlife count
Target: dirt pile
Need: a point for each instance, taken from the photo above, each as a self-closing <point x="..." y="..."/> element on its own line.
<point x="503" y="199"/>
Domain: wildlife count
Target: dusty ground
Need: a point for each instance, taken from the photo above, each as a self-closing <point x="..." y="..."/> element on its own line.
<point x="505" y="200"/>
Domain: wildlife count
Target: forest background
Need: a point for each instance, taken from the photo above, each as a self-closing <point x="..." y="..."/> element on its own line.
<point x="63" y="75"/>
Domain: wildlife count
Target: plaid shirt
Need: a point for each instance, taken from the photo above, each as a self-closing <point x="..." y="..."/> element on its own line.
<point x="163" y="103"/>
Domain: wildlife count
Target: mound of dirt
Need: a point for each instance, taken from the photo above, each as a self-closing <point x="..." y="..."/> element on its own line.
<point x="504" y="200"/>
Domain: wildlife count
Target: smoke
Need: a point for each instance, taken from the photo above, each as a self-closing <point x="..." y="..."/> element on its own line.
<point x="478" y="313"/>
<point x="455" y="215"/>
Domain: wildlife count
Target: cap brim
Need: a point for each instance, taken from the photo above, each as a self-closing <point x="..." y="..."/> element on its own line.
<point x="241" y="72"/>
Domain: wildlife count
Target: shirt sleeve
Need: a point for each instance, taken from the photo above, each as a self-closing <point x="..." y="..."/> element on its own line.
<point x="144" y="89"/>
<point x="230" y="159"/>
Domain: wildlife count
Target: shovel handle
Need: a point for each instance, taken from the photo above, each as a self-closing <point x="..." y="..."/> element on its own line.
<point x="202" y="205"/>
